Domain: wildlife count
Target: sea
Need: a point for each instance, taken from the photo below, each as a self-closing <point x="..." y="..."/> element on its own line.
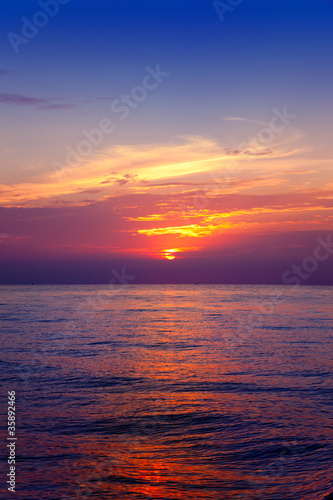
<point x="167" y="392"/>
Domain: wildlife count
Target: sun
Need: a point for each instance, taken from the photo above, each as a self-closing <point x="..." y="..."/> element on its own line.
<point x="169" y="254"/>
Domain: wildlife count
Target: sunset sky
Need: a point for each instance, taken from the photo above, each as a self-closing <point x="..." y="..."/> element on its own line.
<point x="165" y="137"/>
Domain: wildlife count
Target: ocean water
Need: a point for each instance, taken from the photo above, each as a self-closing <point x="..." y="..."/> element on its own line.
<point x="168" y="392"/>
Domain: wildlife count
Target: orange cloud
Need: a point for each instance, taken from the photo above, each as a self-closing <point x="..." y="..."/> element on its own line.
<point x="129" y="169"/>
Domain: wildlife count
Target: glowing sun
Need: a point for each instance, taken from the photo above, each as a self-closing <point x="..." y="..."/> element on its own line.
<point x="169" y="254"/>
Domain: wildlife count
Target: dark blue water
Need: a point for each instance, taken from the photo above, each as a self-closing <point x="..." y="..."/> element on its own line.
<point x="169" y="392"/>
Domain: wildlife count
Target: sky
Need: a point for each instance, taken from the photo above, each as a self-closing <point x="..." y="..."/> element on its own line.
<point x="176" y="141"/>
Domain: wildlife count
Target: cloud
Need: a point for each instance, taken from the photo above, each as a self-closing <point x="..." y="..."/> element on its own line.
<point x="4" y="72"/>
<point x="191" y="230"/>
<point x="178" y="165"/>
<point x="20" y="99"/>
<point x="153" y="163"/>
<point x="237" y="213"/>
<point x="233" y="119"/>
<point x="40" y="103"/>
<point x="242" y="119"/>
<point x="90" y="191"/>
<point x="59" y="106"/>
<point x="297" y="172"/>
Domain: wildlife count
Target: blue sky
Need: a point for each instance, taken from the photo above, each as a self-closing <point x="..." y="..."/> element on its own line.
<point x="263" y="55"/>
